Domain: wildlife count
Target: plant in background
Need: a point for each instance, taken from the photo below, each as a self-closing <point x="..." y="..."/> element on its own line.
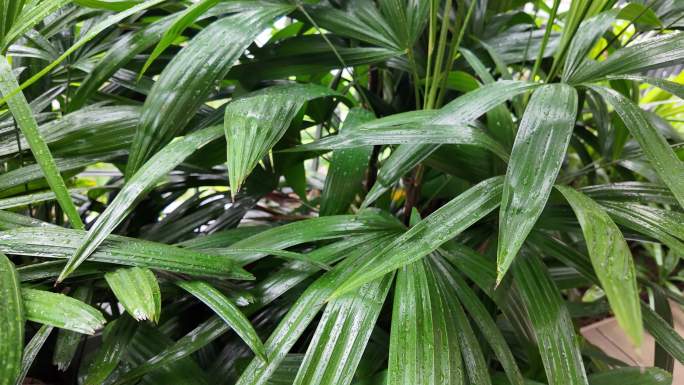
<point x="338" y="192"/>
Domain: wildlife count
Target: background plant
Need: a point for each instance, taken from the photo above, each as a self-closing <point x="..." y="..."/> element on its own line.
<point x="338" y="192"/>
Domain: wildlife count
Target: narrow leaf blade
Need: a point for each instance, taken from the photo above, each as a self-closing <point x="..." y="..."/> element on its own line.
<point x="536" y="159"/>
<point x="12" y="321"/>
<point x="138" y="292"/>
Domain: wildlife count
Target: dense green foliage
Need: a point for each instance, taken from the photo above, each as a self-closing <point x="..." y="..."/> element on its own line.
<point x="338" y="191"/>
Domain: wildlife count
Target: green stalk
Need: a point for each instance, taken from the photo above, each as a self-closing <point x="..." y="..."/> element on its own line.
<point x="431" y="48"/>
<point x="439" y="61"/>
<point x="454" y="53"/>
<point x="545" y="40"/>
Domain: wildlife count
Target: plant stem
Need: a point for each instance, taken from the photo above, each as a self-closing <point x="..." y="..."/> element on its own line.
<point x="545" y="40"/>
<point x="454" y="53"/>
<point x="439" y="60"/>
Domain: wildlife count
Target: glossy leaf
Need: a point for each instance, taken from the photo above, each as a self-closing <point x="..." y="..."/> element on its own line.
<point x="656" y="52"/>
<point x="347" y="170"/>
<point x="138" y="292"/>
<point x="12" y="321"/>
<point x="31" y="351"/>
<point x="28" y="125"/>
<point x="206" y="58"/>
<point x="655" y="147"/>
<point x="341" y="336"/>
<point x="424" y="345"/>
<point x="31" y="14"/>
<point x="482" y="319"/>
<point x="125" y="48"/>
<point x="612" y="261"/>
<point x="57" y="242"/>
<point x="663" y="333"/>
<point x="214" y="327"/>
<point x="408" y="134"/>
<point x="228" y="312"/>
<point x="632" y="376"/>
<point x="556" y="339"/>
<point x="182" y="21"/>
<point x="67" y="340"/>
<point x="142" y="182"/>
<point x="61" y="311"/>
<point x="536" y="159"/>
<point x="663" y="225"/>
<point x="301" y="313"/>
<point x="117" y="336"/>
<point x="91" y="34"/>
<point x="316" y="229"/>
<point x="255" y="123"/>
<point x="462" y="110"/>
<point x="427" y="235"/>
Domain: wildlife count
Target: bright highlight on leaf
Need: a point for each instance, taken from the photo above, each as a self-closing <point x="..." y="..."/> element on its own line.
<point x="138" y="291"/>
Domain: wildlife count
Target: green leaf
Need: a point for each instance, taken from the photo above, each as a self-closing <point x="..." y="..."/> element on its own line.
<point x="536" y="159"/>
<point x="31" y="351"/>
<point x="181" y="22"/>
<point x="589" y="32"/>
<point x="228" y="312"/>
<point x="663" y="225"/>
<point x="138" y="292"/>
<point x="316" y="229"/>
<point x="461" y="111"/>
<point x="424" y="343"/>
<point x="139" y="184"/>
<point x="347" y="170"/>
<point x="31" y="14"/>
<point x="254" y="124"/>
<point x="656" y="52"/>
<point x="551" y="322"/>
<point x="499" y="120"/>
<point x="643" y="192"/>
<point x="335" y="352"/>
<point x="631" y="376"/>
<point x="481" y="317"/>
<point x="289" y="276"/>
<point x="67" y="340"/>
<point x="473" y="358"/>
<point x="206" y="59"/>
<point x="117" y="336"/>
<point x="301" y="313"/>
<point x="112" y="5"/>
<point x="125" y="49"/>
<point x="34" y="172"/>
<point x="663" y="333"/>
<point x="12" y="321"/>
<point x="91" y="130"/>
<point x="655" y="147"/>
<point x="56" y="242"/>
<point x="407" y="19"/>
<point x="430" y="233"/>
<point x="90" y="35"/>
<point x="61" y="311"/>
<point x="10" y="220"/>
<point x="29" y="127"/>
<point x="640" y="14"/>
<point x="612" y="261"/>
<point x="408" y="134"/>
<point x="673" y="88"/>
<point x="362" y="21"/>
